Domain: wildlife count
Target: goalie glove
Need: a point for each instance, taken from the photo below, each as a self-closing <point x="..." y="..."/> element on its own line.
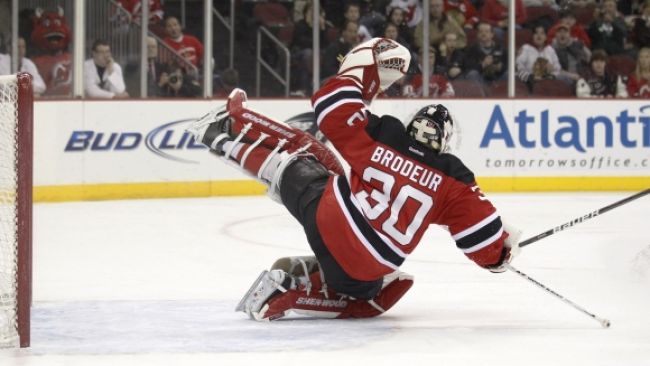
<point x="511" y="248"/>
<point x="375" y="64"/>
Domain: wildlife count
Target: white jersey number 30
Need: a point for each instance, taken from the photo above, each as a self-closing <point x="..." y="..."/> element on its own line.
<point x="382" y="199"/>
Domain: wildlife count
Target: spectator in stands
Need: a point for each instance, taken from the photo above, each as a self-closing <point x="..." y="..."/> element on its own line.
<point x="298" y="10"/>
<point x="228" y="81"/>
<point x="439" y="86"/>
<point x="439" y="25"/>
<point x="638" y="84"/>
<point x="302" y="48"/>
<point x="155" y="68"/>
<point x="486" y="60"/>
<point x="541" y="71"/>
<point x="463" y="12"/>
<point x="607" y="31"/>
<point x="568" y="20"/>
<point x="597" y="82"/>
<point x="396" y="17"/>
<point x="28" y="66"/>
<point x="529" y="53"/>
<point x="641" y="27"/>
<point x="573" y="55"/>
<point x="541" y="3"/>
<point x="176" y="82"/>
<point x="337" y="50"/>
<point x="450" y="57"/>
<point x="495" y="13"/>
<point x="391" y="31"/>
<point x="134" y="7"/>
<point x="412" y="8"/>
<point x="373" y="20"/>
<point x="24" y="65"/>
<point x="189" y="47"/>
<point x="352" y="14"/>
<point x="102" y="75"/>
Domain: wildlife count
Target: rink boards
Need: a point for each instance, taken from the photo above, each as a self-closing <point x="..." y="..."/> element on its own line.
<point x="139" y="149"/>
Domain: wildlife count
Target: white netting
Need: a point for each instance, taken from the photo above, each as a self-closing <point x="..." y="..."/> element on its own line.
<point x="8" y="214"/>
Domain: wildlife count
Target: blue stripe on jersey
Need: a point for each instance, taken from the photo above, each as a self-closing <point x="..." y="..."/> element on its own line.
<point x="339" y="94"/>
<point x="366" y="230"/>
<point x="480" y="235"/>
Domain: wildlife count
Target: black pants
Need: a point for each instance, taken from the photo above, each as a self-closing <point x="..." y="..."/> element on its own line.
<point x="301" y="188"/>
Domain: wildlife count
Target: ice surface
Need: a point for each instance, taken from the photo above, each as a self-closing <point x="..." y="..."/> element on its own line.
<point x="155" y="282"/>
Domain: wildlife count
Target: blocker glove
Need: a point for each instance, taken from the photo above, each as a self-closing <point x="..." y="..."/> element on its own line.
<point x="375" y="64"/>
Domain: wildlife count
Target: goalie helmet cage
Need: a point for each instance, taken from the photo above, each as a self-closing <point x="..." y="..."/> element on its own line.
<point x="16" y="127"/>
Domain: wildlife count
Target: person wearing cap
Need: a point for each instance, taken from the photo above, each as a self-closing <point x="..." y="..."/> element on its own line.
<point x="572" y="54"/>
<point x="597" y="82"/>
<point x="576" y="29"/>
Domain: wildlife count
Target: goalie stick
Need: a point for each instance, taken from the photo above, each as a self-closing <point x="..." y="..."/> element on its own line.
<point x="603" y="322"/>
<point x="583" y="218"/>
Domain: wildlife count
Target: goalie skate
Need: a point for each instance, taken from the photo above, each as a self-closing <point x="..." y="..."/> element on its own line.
<point x="267" y="285"/>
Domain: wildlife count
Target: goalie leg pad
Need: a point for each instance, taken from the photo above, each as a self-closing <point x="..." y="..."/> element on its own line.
<point x="321" y="302"/>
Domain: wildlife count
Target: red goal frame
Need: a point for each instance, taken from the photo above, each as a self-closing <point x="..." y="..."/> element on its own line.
<point x="24" y="169"/>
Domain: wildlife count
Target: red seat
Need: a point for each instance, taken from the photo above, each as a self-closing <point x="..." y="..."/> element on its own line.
<point x="470" y="33"/>
<point x="552" y="88"/>
<point x="621" y="64"/>
<point x="584" y="15"/>
<point x="277" y="18"/>
<point x="534" y="14"/>
<point x="499" y="89"/>
<point x="468" y="89"/>
<point x="271" y="14"/>
<point x="523" y="36"/>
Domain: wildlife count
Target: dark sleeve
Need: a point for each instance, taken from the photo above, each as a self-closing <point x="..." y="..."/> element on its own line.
<point x="473" y="59"/>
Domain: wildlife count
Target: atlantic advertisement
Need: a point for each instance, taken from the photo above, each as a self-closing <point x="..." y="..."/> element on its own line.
<point x="145" y="141"/>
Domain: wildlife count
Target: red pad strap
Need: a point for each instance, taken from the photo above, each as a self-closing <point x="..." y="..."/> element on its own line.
<point x="276" y="131"/>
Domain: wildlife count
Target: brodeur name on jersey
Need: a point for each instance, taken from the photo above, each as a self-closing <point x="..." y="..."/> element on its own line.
<point x="372" y="218"/>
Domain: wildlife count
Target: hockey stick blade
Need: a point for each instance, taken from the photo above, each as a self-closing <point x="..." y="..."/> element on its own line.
<point x="603" y="322"/>
<point x="583" y="218"/>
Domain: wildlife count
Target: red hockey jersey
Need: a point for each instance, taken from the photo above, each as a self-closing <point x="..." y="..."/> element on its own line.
<point x="189" y="47"/>
<point x="374" y="217"/>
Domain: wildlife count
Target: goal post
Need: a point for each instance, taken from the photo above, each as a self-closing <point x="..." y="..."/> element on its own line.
<point x="16" y="139"/>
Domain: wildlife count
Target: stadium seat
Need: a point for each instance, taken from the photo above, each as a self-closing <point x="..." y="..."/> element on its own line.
<point x="541" y="15"/>
<point x="499" y="89"/>
<point x="277" y="18"/>
<point x="471" y="34"/>
<point x="584" y="15"/>
<point x="468" y="89"/>
<point x="523" y="36"/>
<point x="552" y="88"/>
<point x="621" y="64"/>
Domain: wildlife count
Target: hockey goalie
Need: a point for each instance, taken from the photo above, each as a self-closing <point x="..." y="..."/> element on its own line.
<point x="363" y="222"/>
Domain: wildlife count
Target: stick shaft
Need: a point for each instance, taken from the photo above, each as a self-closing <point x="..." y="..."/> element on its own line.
<point x="582" y="219"/>
<point x="602" y="321"/>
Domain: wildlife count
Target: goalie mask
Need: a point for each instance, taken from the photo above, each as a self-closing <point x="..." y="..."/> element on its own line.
<point x="432" y="126"/>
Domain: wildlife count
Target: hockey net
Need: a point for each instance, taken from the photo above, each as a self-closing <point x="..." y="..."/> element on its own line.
<point x="16" y="106"/>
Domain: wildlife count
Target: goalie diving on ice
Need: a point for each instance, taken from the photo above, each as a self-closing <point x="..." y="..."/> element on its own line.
<point x="363" y="221"/>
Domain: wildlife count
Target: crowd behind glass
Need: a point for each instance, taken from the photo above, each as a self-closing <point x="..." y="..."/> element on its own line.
<point x="574" y="48"/>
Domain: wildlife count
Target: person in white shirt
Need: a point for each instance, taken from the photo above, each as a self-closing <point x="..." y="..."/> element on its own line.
<point x="24" y="65"/>
<point x="103" y="76"/>
<point x="528" y="54"/>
